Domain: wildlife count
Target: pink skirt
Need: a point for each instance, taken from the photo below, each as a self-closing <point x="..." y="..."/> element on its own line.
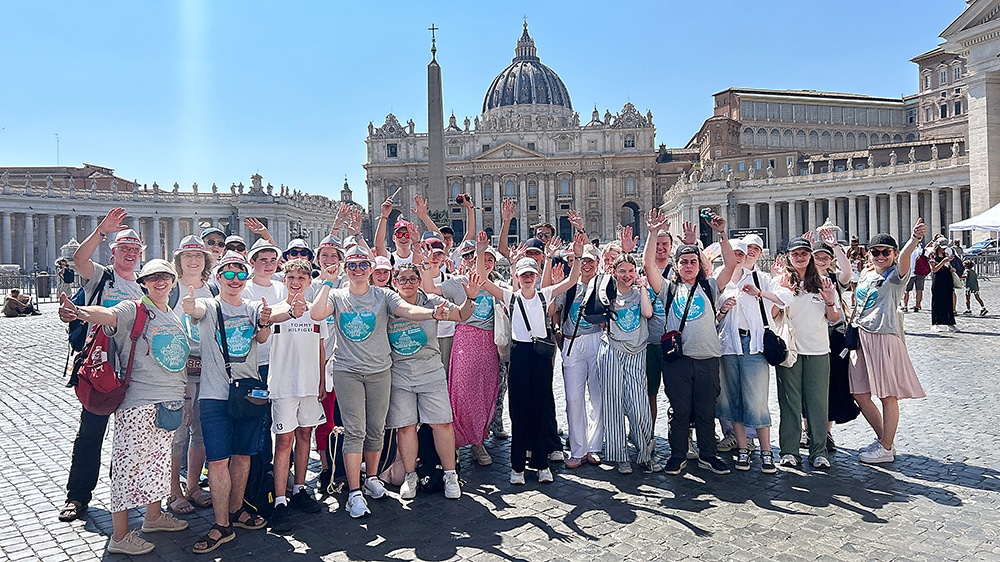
<point x="473" y="379"/>
<point x="882" y="367"/>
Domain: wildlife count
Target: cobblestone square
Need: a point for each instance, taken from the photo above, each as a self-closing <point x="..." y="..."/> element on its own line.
<point x="938" y="500"/>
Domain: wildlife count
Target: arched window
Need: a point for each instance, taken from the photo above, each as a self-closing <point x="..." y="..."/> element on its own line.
<point x="852" y="142"/>
<point x="897" y="138"/>
<point x="593" y="186"/>
<point x="761" y="139"/>
<point x="838" y="140"/>
<point x="813" y="139"/>
<point x="488" y="191"/>
<point x="630" y="186"/>
<point x="509" y="190"/>
<point x="862" y="141"/>
<point x="800" y="139"/>
<point x="748" y="136"/>
<point x="564" y="186"/>
<point x="532" y="190"/>
<point x="456" y="188"/>
<point x="911" y="137"/>
<point x="787" y="139"/>
<point x="824" y="140"/>
<point x="775" y="139"/>
<point x="886" y="139"/>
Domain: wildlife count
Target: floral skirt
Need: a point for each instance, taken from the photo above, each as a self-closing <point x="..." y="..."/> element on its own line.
<point x="140" y="459"/>
<point x="473" y="381"/>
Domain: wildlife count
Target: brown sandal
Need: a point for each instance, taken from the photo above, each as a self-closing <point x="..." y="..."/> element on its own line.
<point x="73" y="510"/>
<point x="201" y="499"/>
<point x="252" y="522"/>
<point x="179" y="505"/>
<point x="226" y="534"/>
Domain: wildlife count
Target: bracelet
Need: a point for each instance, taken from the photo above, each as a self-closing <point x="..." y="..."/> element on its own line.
<point x="328" y="283"/>
<point x="830" y="303"/>
<point x="263" y="326"/>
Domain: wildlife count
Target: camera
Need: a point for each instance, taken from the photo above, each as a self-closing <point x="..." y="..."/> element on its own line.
<point x="706" y="214"/>
<point x="462" y="198"/>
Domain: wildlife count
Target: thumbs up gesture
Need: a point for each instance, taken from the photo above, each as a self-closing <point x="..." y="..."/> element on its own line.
<point x="299" y="306"/>
<point x="187" y="303"/>
<point x="67" y="310"/>
<point x="265" y="313"/>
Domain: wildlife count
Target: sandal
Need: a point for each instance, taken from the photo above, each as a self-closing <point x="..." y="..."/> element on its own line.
<point x="179" y="505"/>
<point x="251" y="522"/>
<point x="201" y="499"/>
<point x="73" y="510"/>
<point x="226" y="534"/>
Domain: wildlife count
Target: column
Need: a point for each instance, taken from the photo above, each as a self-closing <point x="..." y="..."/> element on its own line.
<point x="956" y="204"/>
<point x="610" y="219"/>
<point x="546" y="213"/>
<point x="833" y="213"/>
<point x="914" y="207"/>
<point x="553" y="186"/>
<point x="852" y="216"/>
<point x="73" y="229"/>
<point x="155" y="246"/>
<point x="175" y="233"/>
<point x="29" y="242"/>
<point x="934" y="227"/>
<point x="872" y="216"/>
<point x="752" y="210"/>
<point x="772" y="227"/>
<point x="894" y="216"/>
<point x="523" y="228"/>
<point x="793" y="219"/>
<point x="812" y="214"/>
<point x="477" y="199"/>
<point x="50" y="242"/>
<point x="7" y="234"/>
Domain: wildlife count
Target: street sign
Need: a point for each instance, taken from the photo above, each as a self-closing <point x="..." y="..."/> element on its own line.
<point x="735" y="233"/>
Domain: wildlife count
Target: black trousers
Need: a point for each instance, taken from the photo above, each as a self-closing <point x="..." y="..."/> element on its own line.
<point x="86" y="461"/>
<point x="532" y="408"/>
<point x="693" y="386"/>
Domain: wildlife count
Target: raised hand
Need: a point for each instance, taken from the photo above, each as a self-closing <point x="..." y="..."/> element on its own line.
<point x="113" y="222"/>
<point x="442" y="311"/>
<point x="387" y="207"/>
<point x="718" y="224"/>
<point x="575" y="219"/>
<point x="808" y="235"/>
<point x="473" y="285"/>
<point x="579" y="241"/>
<point x="421" y="253"/>
<point x="829" y="237"/>
<point x="420" y="206"/>
<point x="265" y="312"/>
<point x="343" y="214"/>
<point x="482" y="241"/>
<point x="688" y="233"/>
<point x="552" y="246"/>
<point x="354" y="221"/>
<point x="67" y="310"/>
<point x="255" y="226"/>
<point x="466" y="201"/>
<point x="508" y="209"/>
<point x="299" y="306"/>
<point x="655" y="221"/>
<point x="517" y="252"/>
<point x="626" y="239"/>
<point x="779" y="267"/>
<point x="827" y="291"/>
<point x="329" y="273"/>
<point x="187" y="303"/>
<point x="919" y="229"/>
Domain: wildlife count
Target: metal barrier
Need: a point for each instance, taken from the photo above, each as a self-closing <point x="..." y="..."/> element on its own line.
<point x="42" y="288"/>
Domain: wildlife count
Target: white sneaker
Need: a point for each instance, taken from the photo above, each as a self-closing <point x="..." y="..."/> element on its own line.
<point x="516" y="477"/>
<point x="789" y="461"/>
<point x="357" y="506"/>
<point x="557" y="456"/>
<point x="870" y="446"/>
<point x="545" y="475"/>
<point x="821" y="462"/>
<point x="131" y="544"/>
<point x="728" y="443"/>
<point x="374" y="488"/>
<point x="452" y="490"/>
<point x="408" y="489"/>
<point x="877" y="455"/>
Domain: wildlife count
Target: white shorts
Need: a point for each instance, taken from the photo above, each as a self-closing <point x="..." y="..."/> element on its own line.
<point x="290" y="414"/>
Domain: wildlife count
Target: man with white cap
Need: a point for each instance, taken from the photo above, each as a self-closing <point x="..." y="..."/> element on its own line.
<point x="105" y="286"/>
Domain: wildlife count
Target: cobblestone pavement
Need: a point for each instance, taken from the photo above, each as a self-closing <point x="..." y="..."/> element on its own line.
<point x="939" y="500"/>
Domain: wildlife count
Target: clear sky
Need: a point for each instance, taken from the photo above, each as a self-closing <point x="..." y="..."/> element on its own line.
<point x="214" y="91"/>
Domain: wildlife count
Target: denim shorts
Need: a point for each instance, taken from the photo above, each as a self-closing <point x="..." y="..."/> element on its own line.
<point x="745" y="386"/>
<point x="224" y="436"/>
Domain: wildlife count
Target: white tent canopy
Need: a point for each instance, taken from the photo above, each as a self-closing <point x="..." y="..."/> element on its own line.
<point x="989" y="220"/>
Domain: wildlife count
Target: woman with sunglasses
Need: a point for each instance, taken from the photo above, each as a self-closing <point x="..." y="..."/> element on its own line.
<point x="531" y="403"/>
<point x="881" y="366"/>
<point x="361" y="362"/>
<point x="942" y="287"/>
<point x="419" y="384"/>
<point x="140" y="466"/>
<point x="811" y="304"/>
<point x="403" y="234"/>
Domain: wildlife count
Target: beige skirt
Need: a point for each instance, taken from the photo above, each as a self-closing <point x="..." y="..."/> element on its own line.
<point x="882" y="367"/>
<point x="140" y="459"/>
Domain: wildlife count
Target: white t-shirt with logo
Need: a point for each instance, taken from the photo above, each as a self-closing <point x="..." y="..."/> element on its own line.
<point x="295" y="370"/>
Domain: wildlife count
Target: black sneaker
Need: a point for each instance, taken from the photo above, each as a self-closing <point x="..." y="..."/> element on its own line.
<point x="715" y="464"/>
<point x="831" y="447"/>
<point x="280" y="520"/>
<point x="767" y="463"/>
<point x="324" y="480"/>
<point x="304" y="501"/>
<point x="675" y="465"/>
<point x="743" y="459"/>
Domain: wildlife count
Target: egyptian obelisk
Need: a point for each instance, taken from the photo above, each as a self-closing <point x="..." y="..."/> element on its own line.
<point x="437" y="192"/>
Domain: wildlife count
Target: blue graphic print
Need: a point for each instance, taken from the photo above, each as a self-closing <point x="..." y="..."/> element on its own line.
<point x="658" y="309"/>
<point x="239" y="336"/>
<point x="169" y="347"/>
<point x="405" y="337"/>
<point x="574" y="313"/>
<point x="697" y="306"/>
<point x="357" y="326"/>
<point x="484" y="306"/>
<point x="629" y="317"/>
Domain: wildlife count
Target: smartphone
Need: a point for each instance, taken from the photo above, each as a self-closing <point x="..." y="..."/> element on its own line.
<point x="260" y="393"/>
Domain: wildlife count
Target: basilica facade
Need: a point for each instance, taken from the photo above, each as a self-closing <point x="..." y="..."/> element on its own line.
<point x="530" y="144"/>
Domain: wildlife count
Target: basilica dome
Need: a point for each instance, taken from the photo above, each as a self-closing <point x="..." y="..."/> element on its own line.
<point x="526" y="81"/>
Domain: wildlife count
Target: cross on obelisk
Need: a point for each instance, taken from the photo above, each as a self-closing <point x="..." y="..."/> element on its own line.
<point x="432" y="29"/>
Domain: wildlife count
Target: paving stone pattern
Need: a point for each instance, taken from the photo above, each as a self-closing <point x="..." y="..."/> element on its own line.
<point x="939" y="500"/>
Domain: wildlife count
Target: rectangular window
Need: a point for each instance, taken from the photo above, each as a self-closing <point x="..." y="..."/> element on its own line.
<point x="488" y="192"/>
<point x="927" y="82"/>
<point x="742" y="166"/>
<point x="771" y="163"/>
<point x="454" y="151"/>
<point x="789" y="160"/>
<point x="928" y="115"/>
<point x="532" y="207"/>
<point x="944" y="78"/>
<point x="957" y="73"/>
<point x="531" y="146"/>
<point x="958" y="108"/>
<point x="630" y="141"/>
<point x="958" y="91"/>
<point x="562" y="145"/>
<point x="487" y="209"/>
<point x="718" y="153"/>
<point x="391" y="150"/>
<point x="485" y="148"/>
<point x="944" y="111"/>
<point x="758" y="164"/>
<point x="725" y="168"/>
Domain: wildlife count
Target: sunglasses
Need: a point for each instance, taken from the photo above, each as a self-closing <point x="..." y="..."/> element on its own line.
<point x="216" y="243"/>
<point x="544" y="236"/>
<point x="876" y="252"/>
<point x="237" y="247"/>
<point x="408" y="280"/>
<point x="402" y="234"/>
<point x="159" y="277"/>
<point x="230" y="275"/>
<point x="362" y="265"/>
<point x="298" y="252"/>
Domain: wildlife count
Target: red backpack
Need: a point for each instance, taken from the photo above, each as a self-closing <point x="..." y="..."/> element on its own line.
<point x="99" y="388"/>
<point x="923" y="265"/>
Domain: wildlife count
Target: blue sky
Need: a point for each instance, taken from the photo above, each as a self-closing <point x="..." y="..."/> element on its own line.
<point x="215" y="91"/>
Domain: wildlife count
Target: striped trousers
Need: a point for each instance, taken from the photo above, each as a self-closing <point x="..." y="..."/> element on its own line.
<point x="623" y="382"/>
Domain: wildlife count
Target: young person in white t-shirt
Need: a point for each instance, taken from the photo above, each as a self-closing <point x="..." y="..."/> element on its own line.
<point x="296" y="387"/>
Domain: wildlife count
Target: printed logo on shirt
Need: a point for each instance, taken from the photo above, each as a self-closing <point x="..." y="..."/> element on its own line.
<point x="574" y="313"/>
<point x="113" y="296"/>
<point x="239" y="337"/>
<point x="357" y="326"/>
<point x="680" y="303"/>
<point x="169" y="346"/>
<point x="484" y="306"/>
<point x="658" y="309"/>
<point x="629" y="316"/>
<point x="867" y="295"/>
<point x="190" y="328"/>
<point x="405" y="337"/>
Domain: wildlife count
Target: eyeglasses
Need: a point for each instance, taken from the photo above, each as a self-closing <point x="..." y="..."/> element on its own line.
<point x="237" y="247"/>
<point x="362" y="265"/>
<point x="543" y="235"/>
<point x="230" y="275"/>
<point x="159" y="277"/>
<point x="402" y="234"/>
<point x="298" y="252"/>
<point x="876" y="252"/>
<point x="217" y="243"/>
<point x="129" y="249"/>
<point x="408" y="280"/>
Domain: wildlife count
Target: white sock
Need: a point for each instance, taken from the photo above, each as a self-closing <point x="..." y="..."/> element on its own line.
<point x="280" y="500"/>
<point x="449" y="472"/>
<point x="299" y="487"/>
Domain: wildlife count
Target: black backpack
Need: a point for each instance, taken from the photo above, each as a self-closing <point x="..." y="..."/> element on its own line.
<point x="78" y="329"/>
<point x="599" y="301"/>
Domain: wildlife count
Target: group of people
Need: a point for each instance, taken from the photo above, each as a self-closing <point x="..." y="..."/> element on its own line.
<point x="253" y="342"/>
<point x="944" y="263"/>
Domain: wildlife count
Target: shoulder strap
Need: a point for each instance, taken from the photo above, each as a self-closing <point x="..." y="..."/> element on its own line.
<point x="707" y="287"/>
<point x="570" y="297"/>
<point x="687" y="307"/>
<point x="524" y="314"/>
<point x="222" y="339"/>
<point x="141" y="314"/>
<point x="99" y="291"/>
<point x="214" y="289"/>
<point x="175" y="295"/>
<point x="760" y="301"/>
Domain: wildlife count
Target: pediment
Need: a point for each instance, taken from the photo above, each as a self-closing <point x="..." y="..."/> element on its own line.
<point x="979" y="13"/>
<point x="508" y="151"/>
